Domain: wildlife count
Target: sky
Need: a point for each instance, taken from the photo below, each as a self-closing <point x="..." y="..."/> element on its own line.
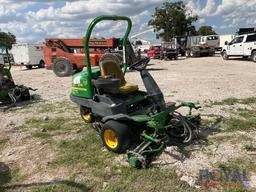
<point x="33" y="20"/>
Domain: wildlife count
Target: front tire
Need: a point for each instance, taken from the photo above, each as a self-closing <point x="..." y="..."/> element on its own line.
<point x="62" y="67"/>
<point x="225" y="55"/>
<point x="86" y="114"/>
<point x="254" y="56"/>
<point x="116" y="136"/>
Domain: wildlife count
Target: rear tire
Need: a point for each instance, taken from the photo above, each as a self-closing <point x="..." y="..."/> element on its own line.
<point x="187" y="53"/>
<point x="116" y="136"/>
<point x="29" y="67"/>
<point x="254" y="56"/>
<point x="62" y="67"/>
<point x="225" y="55"/>
<point x="41" y="64"/>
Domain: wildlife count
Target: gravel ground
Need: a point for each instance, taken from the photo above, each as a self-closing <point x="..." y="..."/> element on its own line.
<point x="194" y="79"/>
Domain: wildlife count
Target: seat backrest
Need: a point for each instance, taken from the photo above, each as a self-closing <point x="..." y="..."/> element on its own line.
<point x="110" y="66"/>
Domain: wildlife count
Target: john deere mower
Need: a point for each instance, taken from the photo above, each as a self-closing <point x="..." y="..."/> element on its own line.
<point x="9" y="92"/>
<point x="129" y="120"/>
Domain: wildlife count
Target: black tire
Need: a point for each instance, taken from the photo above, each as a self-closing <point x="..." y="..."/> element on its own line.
<point x="253" y="56"/>
<point x="187" y="53"/>
<point x="122" y="136"/>
<point x="86" y="114"/>
<point x="25" y="95"/>
<point x="224" y="55"/>
<point x="62" y="67"/>
<point x="41" y="64"/>
<point x="192" y="54"/>
<point x="211" y="54"/>
<point x="29" y="67"/>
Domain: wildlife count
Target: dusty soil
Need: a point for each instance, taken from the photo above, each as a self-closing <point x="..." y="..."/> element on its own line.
<point x="194" y="79"/>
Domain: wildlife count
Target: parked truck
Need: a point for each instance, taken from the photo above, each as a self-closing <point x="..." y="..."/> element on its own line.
<point x="169" y="50"/>
<point x="196" y="46"/>
<point x="241" y="46"/>
<point x="28" y="54"/>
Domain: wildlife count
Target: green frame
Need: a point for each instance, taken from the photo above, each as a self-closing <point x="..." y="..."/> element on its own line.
<point x="87" y="39"/>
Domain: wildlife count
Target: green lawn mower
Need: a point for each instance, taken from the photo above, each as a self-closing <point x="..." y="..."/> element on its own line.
<point x="129" y="120"/>
<point x="9" y="92"/>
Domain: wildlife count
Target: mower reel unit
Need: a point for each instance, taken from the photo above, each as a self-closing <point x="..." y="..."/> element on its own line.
<point x="9" y="92"/>
<point x="139" y="123"/>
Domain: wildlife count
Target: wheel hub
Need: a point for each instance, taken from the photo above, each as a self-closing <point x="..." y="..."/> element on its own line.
<point x="110" y="138"/>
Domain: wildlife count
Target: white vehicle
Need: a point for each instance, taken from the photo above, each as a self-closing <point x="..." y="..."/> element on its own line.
<point x="28" y="54"/>
<point x="1" y="59"/>
<point x="141" y="44"/>
<point x="242" y="45"/>
<point x="210" y="40"/>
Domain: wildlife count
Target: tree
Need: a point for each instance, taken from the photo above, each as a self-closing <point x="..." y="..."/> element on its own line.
<point x="172" y="19"/>
<point x="206" y="30"/>
<point x="6" y="40"/>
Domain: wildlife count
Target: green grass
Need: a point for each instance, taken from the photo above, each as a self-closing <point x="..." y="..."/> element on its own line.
<point x="60" y="106"/>
<point x="54" y="126"/>
<point x="237" y="124"/>
<point x="248" y="146"/>
<point x="245" y="120"/>
<point x="231" y="167"/>
<point x="3" y="142"/>
<point x="233" y="101"/>
<point x="85" y="158"/>
<point x="238" y="163"/>
<point x="87" y="153"/>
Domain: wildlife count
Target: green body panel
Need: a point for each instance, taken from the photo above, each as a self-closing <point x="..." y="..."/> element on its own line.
<point x="80" y="83"/>
<point x="136" y="98"/>
<point x="87" y="36"/>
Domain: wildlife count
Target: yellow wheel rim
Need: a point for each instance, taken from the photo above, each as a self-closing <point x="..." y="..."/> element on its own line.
<point x="110" y="138"/>
<point x="87" y="117"/>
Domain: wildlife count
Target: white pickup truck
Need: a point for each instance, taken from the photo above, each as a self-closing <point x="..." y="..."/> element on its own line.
<point x="242" y="45"/>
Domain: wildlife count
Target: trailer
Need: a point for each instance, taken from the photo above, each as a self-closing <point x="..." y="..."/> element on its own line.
<point x="29" y="55"/>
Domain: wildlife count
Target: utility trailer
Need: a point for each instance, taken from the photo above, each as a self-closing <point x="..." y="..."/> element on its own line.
<point x="28" y="54"/>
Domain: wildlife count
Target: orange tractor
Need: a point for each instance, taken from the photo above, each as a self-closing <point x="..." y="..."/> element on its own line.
<point x="64" y="56"/>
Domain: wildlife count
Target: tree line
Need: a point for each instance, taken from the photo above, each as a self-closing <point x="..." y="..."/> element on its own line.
<point x="174" y="19"/>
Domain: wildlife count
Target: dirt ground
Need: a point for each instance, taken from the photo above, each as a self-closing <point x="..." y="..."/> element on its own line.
<point x="194" y="79"/>
<point x="203" y="80"/>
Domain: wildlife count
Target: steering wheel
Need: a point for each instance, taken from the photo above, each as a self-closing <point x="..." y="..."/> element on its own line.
<point x="140" y="65"/>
